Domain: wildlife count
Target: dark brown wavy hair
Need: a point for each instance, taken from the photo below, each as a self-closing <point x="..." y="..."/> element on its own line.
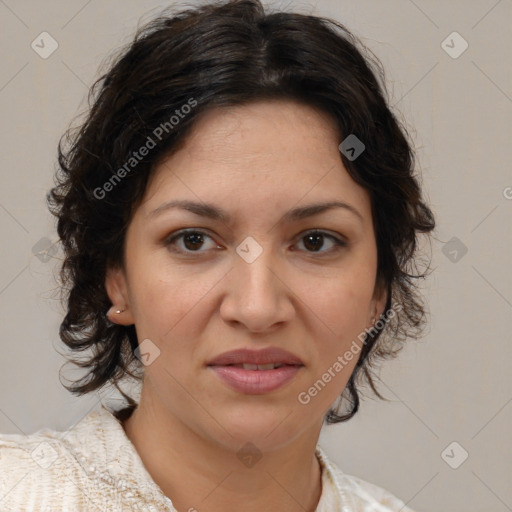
<point x="226" y="54"/>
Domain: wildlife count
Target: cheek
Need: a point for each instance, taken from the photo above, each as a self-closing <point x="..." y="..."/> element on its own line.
<point x="342" y="311"/>
<point x="168" y="303"/>
<point x="342" y="302"/>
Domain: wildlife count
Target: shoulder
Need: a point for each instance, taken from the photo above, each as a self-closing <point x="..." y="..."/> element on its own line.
<point x="366" y="494"/>
<point x="35" y="470"/>
<point x="91" y="466"/>
<point x="358" y="495"/>
<point x="50" y="467"/>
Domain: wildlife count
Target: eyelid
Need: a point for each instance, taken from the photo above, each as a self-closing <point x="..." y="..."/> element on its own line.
<point x="182" y="232"/>
<point x="339" y="240"/>
<point x="325" y="232"/>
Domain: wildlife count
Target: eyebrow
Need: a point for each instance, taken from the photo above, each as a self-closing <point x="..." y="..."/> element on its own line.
<point x="214" y="212"/>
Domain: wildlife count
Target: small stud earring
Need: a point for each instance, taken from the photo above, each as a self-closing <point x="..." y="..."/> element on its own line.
<point x="116" y="309"/>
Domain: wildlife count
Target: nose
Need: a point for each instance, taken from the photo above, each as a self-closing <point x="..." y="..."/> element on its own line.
<point x="257" y="294"/>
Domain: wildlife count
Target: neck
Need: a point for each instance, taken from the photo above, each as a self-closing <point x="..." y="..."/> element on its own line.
<point x="198" y="473"/>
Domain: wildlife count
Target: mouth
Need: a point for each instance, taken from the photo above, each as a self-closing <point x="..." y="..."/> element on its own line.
<point x="256" y="379"/>
<point x="257" y="367"/>
<point x="256" y="359"/>
<point x="255" y="372"/>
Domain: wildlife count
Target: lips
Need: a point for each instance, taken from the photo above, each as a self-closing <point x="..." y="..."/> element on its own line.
<point x="256" y="372"/>
<point x="257" y="359"/>
<point x="261" y="367"/>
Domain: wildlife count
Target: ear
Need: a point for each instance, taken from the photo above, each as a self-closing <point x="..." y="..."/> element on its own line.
<point x="378" y="303"/>
<point x="117" y="291"/>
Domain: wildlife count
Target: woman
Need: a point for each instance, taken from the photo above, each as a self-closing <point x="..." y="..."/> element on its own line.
<point x="239" y="217"/>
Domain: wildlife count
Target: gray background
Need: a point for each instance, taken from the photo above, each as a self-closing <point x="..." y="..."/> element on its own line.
<point x="452" y="385"/>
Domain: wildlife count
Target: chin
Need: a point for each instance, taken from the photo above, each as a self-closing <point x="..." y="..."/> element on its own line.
<point x="268" y="429"/>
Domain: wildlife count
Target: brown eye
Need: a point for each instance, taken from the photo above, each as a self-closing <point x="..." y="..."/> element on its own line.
<point x="192" y="241"/>
<point x="315" y="240"/>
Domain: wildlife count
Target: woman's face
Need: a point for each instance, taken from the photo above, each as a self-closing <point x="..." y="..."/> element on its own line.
<point x="253" y="279"/>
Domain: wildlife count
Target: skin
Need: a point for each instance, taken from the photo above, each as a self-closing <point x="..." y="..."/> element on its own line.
<point x="256" y="162"/>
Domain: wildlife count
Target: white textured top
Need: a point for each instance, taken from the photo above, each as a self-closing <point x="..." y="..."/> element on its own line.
<point x="94" y="466"/>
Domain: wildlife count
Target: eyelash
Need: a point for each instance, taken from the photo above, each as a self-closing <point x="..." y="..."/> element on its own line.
<point x="339" y="244"/>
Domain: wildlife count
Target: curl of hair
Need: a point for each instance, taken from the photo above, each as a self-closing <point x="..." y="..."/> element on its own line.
<point x="219" y="55"/>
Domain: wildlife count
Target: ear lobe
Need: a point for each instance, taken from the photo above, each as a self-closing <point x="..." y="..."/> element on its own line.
<point x="115" y="286"/>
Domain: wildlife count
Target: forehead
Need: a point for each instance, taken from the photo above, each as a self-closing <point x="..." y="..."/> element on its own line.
<point x="267" y="153"/>
<point x="262" y="132"/>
